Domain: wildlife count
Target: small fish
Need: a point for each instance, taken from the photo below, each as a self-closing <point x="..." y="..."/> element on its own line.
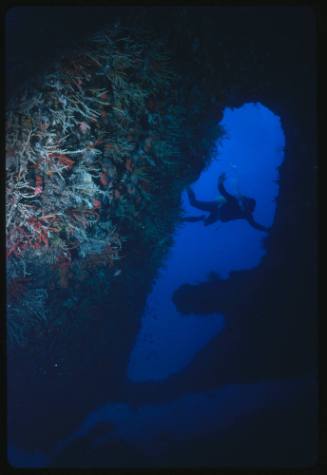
<point x="117" y="273"/>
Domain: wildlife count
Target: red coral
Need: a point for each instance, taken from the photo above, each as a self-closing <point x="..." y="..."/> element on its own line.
<point x="64" y="160"/>
<point x="96" y="204"/>
<point x="103" y="179"/>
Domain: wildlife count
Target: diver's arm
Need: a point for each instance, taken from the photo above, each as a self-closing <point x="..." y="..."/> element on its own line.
<point x="256" y="225"/>
<point x="212" y="218"/>
<point x="222" y="190"/>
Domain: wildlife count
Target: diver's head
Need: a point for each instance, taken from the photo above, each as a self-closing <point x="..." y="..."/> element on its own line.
<point x="247" y="204"/>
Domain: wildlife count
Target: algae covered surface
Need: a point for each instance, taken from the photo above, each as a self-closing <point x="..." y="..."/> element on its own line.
<point x="93" y="149"/>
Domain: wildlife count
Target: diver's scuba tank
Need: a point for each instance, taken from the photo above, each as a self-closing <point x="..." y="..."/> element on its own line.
<point x="247" y="204"/>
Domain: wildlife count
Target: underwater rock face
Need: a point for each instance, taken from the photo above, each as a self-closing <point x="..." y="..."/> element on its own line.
<point x="96" y="153"/>
<point x="88" y="145"/>
<point x="250" y="158"/>
<point x="162" y="433"/>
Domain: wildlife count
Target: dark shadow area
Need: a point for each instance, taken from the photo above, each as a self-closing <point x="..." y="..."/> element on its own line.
<point x="250" y="439"/>
<point x="247" y="439"/>
<point x="218" y="295"/>
<point x="54" y="32"/>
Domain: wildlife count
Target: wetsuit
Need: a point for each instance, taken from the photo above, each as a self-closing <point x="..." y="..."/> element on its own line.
<point x="230" y="210"/>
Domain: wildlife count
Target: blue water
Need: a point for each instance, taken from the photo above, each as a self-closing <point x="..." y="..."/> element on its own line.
<point x="250" y="156"/>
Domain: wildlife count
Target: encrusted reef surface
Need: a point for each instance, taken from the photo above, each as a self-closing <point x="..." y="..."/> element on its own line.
<point x="93" y="149"/>
<point x="98" y="148"/>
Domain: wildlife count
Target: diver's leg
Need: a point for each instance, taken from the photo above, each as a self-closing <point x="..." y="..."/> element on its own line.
<point x="202" y="205"/>
<point x="212" y="218"/>
<point x="256" y="225"/>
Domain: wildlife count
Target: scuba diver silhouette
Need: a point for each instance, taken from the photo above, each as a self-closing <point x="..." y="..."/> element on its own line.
<point x="228" y="208"/>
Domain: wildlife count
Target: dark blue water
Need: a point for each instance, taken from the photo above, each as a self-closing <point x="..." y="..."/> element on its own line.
<point x="250" y="156"/>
